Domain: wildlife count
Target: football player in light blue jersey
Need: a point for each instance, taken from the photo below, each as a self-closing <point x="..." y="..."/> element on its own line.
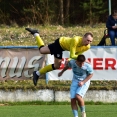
<point x="82" y="73"/>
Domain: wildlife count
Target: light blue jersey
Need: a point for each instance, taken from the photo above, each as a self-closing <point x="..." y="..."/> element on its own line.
<point x="80" y="73"/>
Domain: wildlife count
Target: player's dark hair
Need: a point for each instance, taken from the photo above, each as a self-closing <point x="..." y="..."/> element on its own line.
<point x="81" y="58"/>
<point x="114" y="12"/>
<point x="88" y="33"/>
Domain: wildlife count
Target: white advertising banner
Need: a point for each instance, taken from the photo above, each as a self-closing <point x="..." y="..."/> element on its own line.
<point x="18" y="63"/>
<point x="103" y="60"/>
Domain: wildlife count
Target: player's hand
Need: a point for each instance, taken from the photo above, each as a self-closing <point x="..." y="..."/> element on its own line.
<point x="66" y="62"/>
<point x="60" y="74"/>
<point x="114" y="27"/>
<point x="80" y="83"/>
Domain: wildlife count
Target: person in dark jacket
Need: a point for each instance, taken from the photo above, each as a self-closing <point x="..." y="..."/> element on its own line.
<point x="111" y="25"/>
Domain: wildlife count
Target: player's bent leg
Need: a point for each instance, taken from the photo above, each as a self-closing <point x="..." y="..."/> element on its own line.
<point x="40" y="42"/>
<point x="74" y="104"/>
<point x="34" y="32"/>
<point x="50" y="67"/>
<point x="81" y="105"/>
<point x="44" y="50"/>
<point x="80" y="100"/>
<point x="57" y="63"/>
<point x="74" y="107"/>
<point x="35" y="78"/>
<point x="44" y="70"/>
<point x="83" y="114"/>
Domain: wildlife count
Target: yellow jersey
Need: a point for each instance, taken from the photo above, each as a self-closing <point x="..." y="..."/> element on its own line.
<point x="74" y="45"/>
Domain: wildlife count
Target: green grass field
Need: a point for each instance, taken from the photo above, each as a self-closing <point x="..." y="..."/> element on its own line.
<point x="56" y="111"/>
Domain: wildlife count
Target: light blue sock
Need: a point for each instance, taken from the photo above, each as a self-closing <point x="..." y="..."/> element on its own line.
<point x="75" y="112"/>
<point x="82" y="108"/>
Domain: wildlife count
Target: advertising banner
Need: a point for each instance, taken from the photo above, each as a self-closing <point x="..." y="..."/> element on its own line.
<point x="19" y="63"/>
<point x="103" y="60"/>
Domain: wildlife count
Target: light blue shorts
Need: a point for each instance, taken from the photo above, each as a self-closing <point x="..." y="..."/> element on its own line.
<point x="75" y="89"/>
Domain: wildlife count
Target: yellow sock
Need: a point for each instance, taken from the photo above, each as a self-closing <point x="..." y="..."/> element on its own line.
<point x="39" y="41"/>
<point x="46" y="69"/>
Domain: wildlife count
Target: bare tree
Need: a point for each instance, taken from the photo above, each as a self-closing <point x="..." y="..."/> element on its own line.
<point x="67" y="12"/>
<point x="61" y="13"/>
<point x="90" y="12"/>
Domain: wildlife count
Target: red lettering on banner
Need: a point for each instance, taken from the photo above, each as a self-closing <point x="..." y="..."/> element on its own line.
<point x="96" y="62"/>
<point x="112" y="64"/>
<point x="89" y="59"/>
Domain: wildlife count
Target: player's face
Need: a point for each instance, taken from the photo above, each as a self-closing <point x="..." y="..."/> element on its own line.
<point x="87" y="40"/>
<point x="115" y="16"/>
<point x="80" y="64"/>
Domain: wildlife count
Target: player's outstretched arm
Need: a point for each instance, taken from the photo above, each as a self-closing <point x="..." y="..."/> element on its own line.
<point x="63" y="70"/>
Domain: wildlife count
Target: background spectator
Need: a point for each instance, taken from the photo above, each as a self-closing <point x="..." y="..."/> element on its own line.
<point x="111" y="25"/>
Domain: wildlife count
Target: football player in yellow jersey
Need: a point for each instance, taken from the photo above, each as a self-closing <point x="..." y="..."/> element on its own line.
<point x="76" y="45"/>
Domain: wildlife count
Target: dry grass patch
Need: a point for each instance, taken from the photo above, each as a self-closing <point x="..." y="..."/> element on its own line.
<point x="18" y="36"/>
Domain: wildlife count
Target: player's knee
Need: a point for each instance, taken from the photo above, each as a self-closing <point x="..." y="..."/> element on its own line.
<point x="73" y="99"/>
<point x="41" y="52"/>
<point x="57" y="66"/>
<point x="78" y="96"/>
<point x="40" y="49"/>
